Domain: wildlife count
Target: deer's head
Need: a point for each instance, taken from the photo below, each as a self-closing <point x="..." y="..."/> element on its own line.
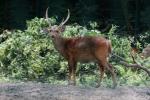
<point x="56" y="30"/>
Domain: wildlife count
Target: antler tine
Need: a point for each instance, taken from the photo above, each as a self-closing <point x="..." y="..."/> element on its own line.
<point x="46" y="15"/>
<point x="63" y="22"/>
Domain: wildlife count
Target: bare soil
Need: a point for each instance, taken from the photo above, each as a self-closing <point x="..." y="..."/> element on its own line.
<point x="42" y="91"/>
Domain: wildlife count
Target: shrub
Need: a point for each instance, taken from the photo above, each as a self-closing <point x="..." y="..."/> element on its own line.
<point x="30" y="55"/>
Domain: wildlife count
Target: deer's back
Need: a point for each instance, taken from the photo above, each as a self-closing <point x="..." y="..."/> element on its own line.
<point x="85" y="48"/>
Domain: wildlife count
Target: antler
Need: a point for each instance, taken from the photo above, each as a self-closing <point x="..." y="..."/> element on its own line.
<point x="63" y="22"/>
<point x="46" y="15"/>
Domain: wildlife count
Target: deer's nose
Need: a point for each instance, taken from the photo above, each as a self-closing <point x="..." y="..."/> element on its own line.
<point x="52" y="36"/>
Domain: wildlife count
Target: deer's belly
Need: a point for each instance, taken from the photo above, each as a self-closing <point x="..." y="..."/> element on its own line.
<point x="85" y="58"/>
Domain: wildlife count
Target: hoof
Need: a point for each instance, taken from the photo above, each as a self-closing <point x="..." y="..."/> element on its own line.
<point x="114" y="86"/>
<point x="72" y="83"/>
<point x="98" y="85"/>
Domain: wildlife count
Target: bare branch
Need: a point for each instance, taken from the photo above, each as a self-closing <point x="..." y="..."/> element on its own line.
<point x="135" y="66"/>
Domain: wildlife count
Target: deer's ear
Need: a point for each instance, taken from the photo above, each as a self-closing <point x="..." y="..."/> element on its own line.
<point x="62" y="28"/>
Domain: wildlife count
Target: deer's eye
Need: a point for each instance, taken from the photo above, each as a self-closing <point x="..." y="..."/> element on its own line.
<point x="57" y="31"/>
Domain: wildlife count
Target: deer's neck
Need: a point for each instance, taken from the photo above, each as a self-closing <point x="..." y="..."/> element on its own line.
<point x="59" y="44"/>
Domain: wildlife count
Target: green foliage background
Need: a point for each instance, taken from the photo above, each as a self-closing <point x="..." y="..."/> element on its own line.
<point x="29" y="55"/>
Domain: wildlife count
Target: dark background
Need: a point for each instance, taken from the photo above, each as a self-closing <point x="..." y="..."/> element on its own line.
<point x="134" y="15"/>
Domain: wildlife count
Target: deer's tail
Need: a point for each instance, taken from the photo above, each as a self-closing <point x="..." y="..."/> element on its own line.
<point x="109" y="47"/>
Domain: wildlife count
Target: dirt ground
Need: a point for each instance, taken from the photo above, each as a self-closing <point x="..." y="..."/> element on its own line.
<point x="41" y="91"/>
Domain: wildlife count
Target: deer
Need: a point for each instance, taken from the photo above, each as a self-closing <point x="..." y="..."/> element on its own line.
<point x="135" y="51"/>
<point x="145" y="52"/>
<point x="81" y="49"/>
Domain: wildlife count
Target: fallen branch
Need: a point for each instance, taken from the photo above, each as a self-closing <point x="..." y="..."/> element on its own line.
<point x="135" y="66"/>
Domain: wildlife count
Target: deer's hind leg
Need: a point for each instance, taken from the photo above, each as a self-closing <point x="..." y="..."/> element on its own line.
<point x="104" y="63"/>
<point x="101" y="70"/>
<point x="110" y="68"/>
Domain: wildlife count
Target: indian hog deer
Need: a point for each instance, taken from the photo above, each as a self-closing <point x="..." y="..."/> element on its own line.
<point x="81" y="49"/>
<point x="146" y="52"/>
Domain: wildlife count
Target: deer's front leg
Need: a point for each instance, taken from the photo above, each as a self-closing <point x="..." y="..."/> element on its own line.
<point x="72" y="70"/>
